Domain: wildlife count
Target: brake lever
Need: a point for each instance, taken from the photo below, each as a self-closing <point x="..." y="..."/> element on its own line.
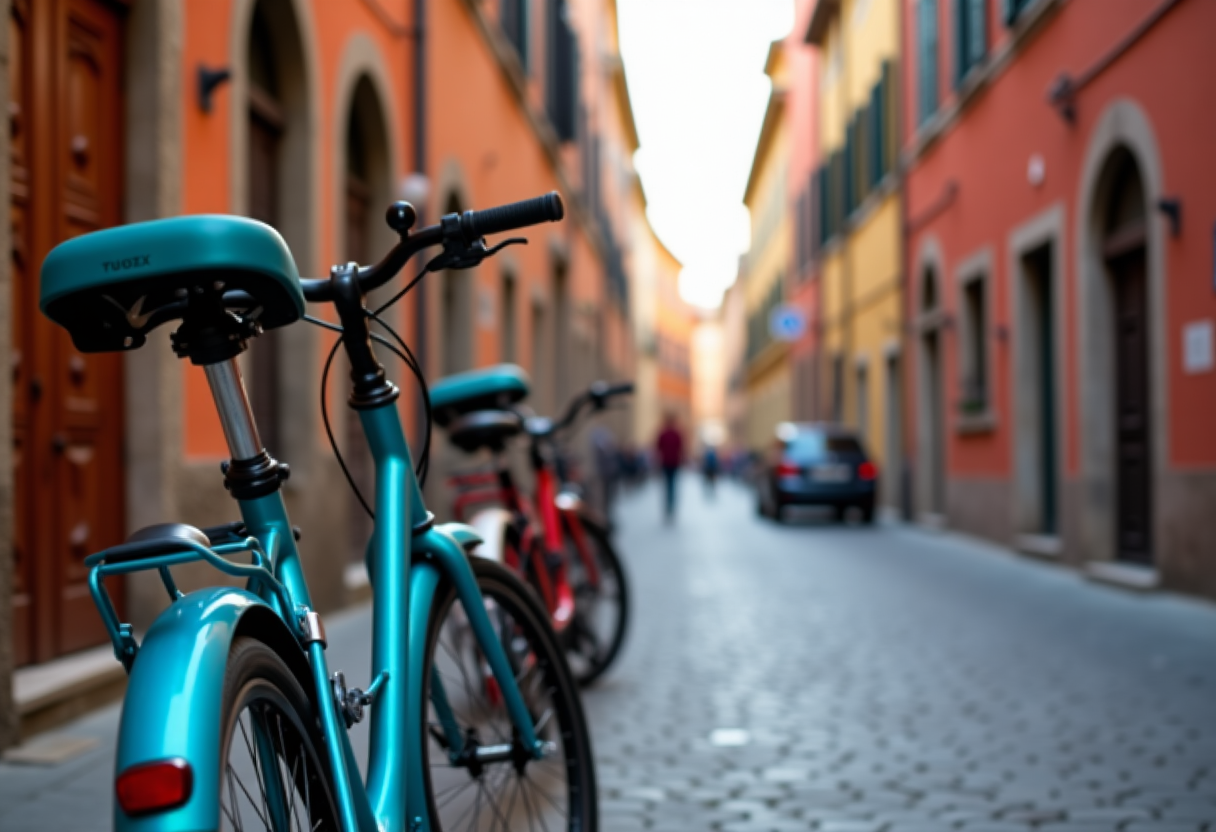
<point x="457" y="256"/>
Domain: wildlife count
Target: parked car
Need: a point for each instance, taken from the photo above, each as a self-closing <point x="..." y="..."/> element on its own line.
<point x="816" y="464"/>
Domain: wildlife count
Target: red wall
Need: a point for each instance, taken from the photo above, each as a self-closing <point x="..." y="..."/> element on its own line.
<point x="1169" y="75"/>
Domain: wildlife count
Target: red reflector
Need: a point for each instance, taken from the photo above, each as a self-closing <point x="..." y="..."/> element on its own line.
<point x="867" y="471"/>
<point x="154" y="787"/>
<point x="788" y="469"/>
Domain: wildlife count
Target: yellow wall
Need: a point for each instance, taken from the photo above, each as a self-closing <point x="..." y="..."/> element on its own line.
<point x="862" y="310"/>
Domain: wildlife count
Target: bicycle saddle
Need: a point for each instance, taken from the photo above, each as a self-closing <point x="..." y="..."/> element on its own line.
<point x="490" y="388"/>
<point x="111" y="287"/>
<point x="484" y="429"/>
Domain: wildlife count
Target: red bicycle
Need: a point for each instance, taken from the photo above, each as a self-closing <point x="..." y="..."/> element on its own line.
<point x="554" y="540"/>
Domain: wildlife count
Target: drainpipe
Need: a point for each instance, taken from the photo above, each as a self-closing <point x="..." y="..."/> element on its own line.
<point x="420" y="166"/>
<point x="906" y="357"/>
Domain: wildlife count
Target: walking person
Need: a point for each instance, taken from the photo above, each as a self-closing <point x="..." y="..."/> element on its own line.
<point x="709" y="467"/>
<point x="670" y="447"/>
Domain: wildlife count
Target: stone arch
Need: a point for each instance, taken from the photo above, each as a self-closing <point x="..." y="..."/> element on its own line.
<point x="274" y="101"/>
<point x="1122" y="135"/>
<point x="366" y="117"/>
<point x="930" y="480"/>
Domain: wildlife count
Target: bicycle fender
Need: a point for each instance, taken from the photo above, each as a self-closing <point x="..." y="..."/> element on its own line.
<point x="490" y="524"/>
<point x="173" y="703"/>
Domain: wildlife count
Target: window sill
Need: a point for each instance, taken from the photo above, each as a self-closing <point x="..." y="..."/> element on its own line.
<point x="975" y="424"/>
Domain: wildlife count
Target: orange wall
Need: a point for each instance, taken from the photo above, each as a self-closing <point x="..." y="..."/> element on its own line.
<point x="476" y="126"/>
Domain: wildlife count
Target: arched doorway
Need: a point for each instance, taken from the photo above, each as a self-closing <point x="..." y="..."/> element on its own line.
<point x="932" y="415"/>
<point x="1124" y="245"/>
<point x="276" y="155"/>
<point x="368" y="174"/>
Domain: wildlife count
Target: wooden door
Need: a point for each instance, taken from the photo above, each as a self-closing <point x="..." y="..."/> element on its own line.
<point x="1133" y="469"/>
<point x="65" y="122"/>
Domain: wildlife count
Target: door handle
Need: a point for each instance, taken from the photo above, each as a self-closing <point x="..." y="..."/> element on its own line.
<point x="59" y="443"/>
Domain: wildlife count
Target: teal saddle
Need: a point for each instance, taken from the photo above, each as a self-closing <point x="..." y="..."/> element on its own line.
<point x="111" y="287"/>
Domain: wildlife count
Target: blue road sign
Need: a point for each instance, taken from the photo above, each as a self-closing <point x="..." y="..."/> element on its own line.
<point x="786" y="322"/>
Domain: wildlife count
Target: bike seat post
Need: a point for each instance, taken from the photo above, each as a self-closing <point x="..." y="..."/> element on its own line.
<point x="253" y="472"/>
<point x="236" y="414"/>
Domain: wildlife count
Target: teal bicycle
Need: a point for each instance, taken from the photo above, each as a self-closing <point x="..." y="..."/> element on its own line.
<point x="232" y="719"/>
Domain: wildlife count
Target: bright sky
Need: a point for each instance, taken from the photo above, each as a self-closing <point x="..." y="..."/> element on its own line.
<point x="696" y="78"/>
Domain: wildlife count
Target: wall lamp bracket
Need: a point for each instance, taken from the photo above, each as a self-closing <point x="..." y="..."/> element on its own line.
<point x="1171" y="206"/>
<point x="1063" y="96"/>
<point x="209" y="80"/>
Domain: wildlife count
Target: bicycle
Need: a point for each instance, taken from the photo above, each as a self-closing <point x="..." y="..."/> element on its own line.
<point x="556" y="543"/>
<point x="231" y="717"/>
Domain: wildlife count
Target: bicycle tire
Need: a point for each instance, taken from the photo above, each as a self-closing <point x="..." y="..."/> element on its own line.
<point x="258" y="682"/>
<point x="518" y="615"/>
<point x="609" y="565"/>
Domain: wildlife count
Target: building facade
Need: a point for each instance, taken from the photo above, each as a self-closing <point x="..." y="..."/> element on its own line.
<point x="803" y="290"/>
<point x="764" y="271"/>
<point x="311" y="115"/>
<point x="858" y="229"/>
<point x="1060" y="207"/>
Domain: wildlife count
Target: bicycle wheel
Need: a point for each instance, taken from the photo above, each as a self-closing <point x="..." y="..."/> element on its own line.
<point x="601" y="607"/>
<point x="274" y="775"/>
<point x="556" y="792"/>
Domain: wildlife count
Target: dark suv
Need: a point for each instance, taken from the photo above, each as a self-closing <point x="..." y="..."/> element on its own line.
<point x="816" y="464"/>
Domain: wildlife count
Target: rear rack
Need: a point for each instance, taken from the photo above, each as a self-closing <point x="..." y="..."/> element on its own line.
<point x="165" y="552"/>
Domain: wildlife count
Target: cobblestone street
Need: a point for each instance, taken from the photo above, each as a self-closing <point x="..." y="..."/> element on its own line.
<point x="847" y="679"/>
<point x="892" y="679"/>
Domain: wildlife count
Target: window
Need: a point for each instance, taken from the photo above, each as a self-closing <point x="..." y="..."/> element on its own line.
<point x="1013" y="8"/>
<point x="515" y="19"/>
<point x="926" y="53"/>
<point x="562" y="93"/>
<point x="507" y="330"/>
<point x="863" y="400"/>
<point x="974" y="338"/>
<point x="837" y="387"/>
<point x="970" y="36"/>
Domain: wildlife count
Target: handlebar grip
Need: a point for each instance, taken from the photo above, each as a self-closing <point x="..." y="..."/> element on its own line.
<point x="547" y="208"/>
<point x="622" y="389"/>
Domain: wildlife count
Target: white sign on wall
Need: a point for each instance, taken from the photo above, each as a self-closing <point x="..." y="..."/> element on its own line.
<point x="1197" y="347"/>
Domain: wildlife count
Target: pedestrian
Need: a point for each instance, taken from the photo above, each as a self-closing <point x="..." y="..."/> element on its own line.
<point x="670" y="448"/>
<point x="709" y="467"/>
<point x="607" y="467"/>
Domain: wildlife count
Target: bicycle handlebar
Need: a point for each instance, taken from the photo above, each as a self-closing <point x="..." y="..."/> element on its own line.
<point x="456" y="229"/>
<point x="597" y="395"/>
<point x="547" y="208"/>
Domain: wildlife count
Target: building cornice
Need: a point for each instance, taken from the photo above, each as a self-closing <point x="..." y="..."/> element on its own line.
<point x="772" y="117"/>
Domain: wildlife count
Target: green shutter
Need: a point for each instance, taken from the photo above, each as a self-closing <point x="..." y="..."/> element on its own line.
<point x="960" y="41"/>
<point x="977" y="31"/>
<point x="890" y="148"/>
<point x="927" y="58"/>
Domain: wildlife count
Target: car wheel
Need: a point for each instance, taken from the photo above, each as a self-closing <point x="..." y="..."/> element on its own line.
<point x="779" y="512"/>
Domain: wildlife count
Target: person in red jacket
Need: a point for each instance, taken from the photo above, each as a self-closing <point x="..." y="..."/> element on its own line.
<point x="670" y="449"/>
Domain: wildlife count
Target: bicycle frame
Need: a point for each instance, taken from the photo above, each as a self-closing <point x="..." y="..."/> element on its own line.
<point x="182" y="679"/>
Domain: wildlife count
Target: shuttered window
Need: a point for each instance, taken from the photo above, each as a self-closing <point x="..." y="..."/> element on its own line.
<point x="926" y="55"/>
<point x="1012" y="8"/>
<point x="970" y="36"/>
<point x="876" y="113"/>
<point x="562" y="99"/>
<point x="823" y="200"/>
<point x="515" y="19"/>
<point x="890" y="148"/>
